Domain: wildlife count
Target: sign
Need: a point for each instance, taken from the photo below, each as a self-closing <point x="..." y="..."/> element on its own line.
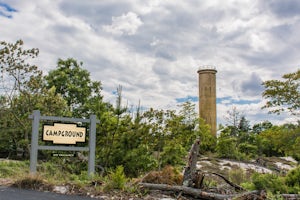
<point x="63" y="155"/>
<point x="64" y="133"/>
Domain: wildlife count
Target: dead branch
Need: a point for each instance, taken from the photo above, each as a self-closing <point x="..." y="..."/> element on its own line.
<point x="197" y="193"/>
<point x="237" y="187"/>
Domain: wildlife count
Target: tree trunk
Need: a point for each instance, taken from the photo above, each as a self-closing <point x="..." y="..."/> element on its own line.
<point x="190" y="175"/>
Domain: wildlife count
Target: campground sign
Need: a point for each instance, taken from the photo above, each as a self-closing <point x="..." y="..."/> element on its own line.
<point x="64" y="133"/>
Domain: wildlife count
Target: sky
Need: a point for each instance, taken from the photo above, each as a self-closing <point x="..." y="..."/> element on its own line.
<point x="153" y="48"/>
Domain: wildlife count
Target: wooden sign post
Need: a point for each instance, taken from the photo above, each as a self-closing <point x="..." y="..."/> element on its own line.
<point x="63" y="134"/>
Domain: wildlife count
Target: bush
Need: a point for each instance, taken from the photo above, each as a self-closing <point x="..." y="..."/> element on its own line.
<point x="292" y="179"/>
<point x="168" y="175"/>
<point x="237" y="176"/>
<point x="116" y="179"/>
<point x="173" y="154"/>
<point x="139" y="160"/>
<point x="226" y="147"/>
<point x="269" y="182"/>
<point x="248" y="149"/>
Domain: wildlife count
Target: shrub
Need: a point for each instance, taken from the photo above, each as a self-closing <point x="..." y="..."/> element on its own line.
<point x="269" y="182"/>
<point x="237" y="176"/>
<point x="168" y="175"/>
<point x="248" y="149"/>
<point x="173" y="154"/>
<point x="226" y="147"/>
<point x="139" y="160"/>
<point x="116" y="179"/>
<point x="292" y="179"/>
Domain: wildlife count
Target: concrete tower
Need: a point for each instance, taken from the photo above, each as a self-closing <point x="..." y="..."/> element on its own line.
<point x="207" y="96"/>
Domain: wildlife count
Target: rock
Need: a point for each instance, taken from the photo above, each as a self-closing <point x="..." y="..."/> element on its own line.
<point x="103" y="197"/>
<point x="61" y="189"/>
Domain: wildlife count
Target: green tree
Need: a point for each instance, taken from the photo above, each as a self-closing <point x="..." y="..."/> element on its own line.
<point x="18" y="78"/>
<point x="244" y="125"/>
<point x="226" y="146"/>
<point x="283" y="95"/>
<point x="233" y="118"/>
<point x="280" y="141"/>
<point x="74" y="84"/>
<point x="260" y="127"/>
<point x="23" y="91"/>
<point x="208" y="142"/>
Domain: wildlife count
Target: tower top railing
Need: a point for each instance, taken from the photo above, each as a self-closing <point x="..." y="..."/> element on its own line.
<point x="204" y="67"/>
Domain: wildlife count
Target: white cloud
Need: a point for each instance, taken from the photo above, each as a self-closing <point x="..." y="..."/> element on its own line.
<point x="126" y="24"/>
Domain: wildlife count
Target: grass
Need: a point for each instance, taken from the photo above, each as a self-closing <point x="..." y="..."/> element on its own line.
<point x="13" y="169"/>
<point x="50" y="174"/>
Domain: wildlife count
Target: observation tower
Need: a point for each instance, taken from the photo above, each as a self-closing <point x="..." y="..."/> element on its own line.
<point x="207" y="96"/>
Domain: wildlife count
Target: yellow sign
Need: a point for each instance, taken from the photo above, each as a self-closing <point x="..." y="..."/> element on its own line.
<point x="64" y="133"/>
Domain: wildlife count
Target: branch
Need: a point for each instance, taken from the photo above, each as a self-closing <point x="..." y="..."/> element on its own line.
<point x="197" y="193"/>
<point x="237" y="187"/>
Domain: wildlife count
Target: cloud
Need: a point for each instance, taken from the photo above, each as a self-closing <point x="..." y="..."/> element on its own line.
<point x="125" y="24"/>
<point x="154" y="48"/>
<point x="287" y="8"/>
<point x="252" y="86"/>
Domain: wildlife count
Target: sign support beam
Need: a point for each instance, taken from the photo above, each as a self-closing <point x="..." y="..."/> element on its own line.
<point x="34" y="141"/>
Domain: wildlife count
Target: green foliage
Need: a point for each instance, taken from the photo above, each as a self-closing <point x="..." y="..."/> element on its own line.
<point x="173" y="154"/>
<point x="292" y="179"/>
<point x="248" y="185"/>
<point x="21" y="81"/>
<point x="116" y="179"/>
<point x="12" y="168"/>
<point x="248" y="149"/>
<point x="269" y="182"/>
<point x="24" y="92"/>
<point x="139" y="160"/>
<point x="20" y="75"/>
<point x="237" y="176"/>
<point x="208" y="141"/>
<point x="260" y="127"/>
<point x="226" y="147"/>
<point x="73" y="83"/>
<point x="283" y="95"/>
<point x="280" y="141"/>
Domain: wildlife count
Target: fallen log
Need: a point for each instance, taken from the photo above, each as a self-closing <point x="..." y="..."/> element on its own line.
<point x="291" y="196"/>
<point x="200" y="194"/>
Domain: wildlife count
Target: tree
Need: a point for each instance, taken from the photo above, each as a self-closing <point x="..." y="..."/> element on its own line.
<point x="233" y="118"/>
<point x="18" y="76"/>
<point x="22" y="90"/>
<point x="74" y="84"/>
<point x="280" y="141"/>
<point x="283" y="95"/>
<point x="244" y="125"/>
<point x="258" y="128"/>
